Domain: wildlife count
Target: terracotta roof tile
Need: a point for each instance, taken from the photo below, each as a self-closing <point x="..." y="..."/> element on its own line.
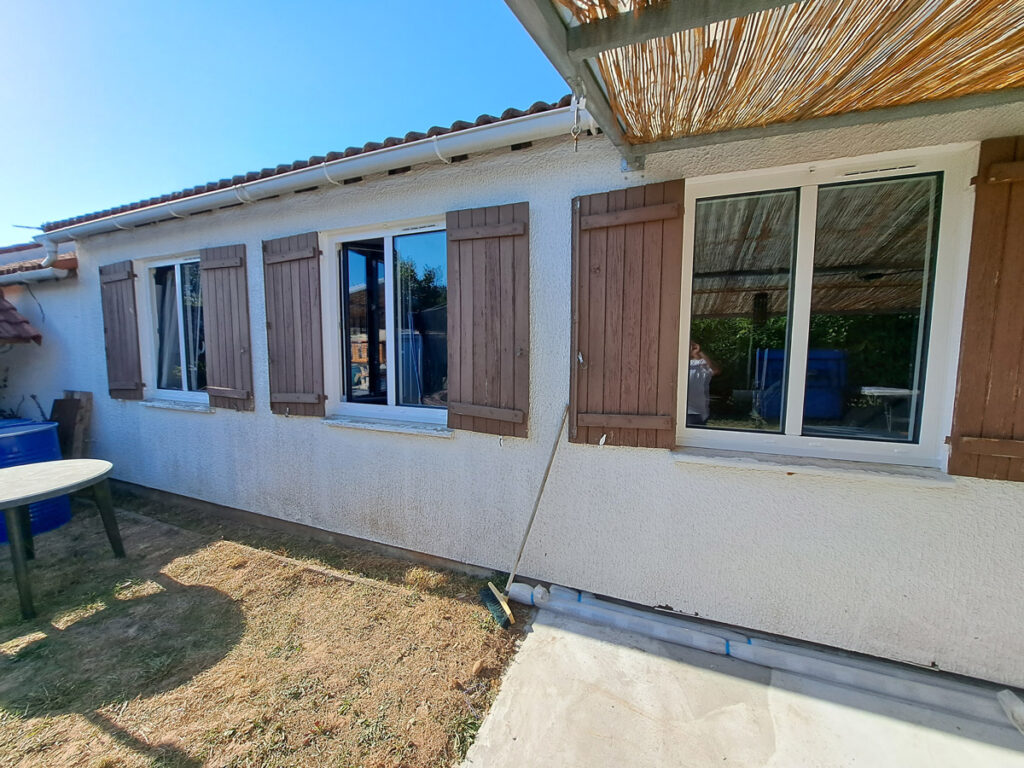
<point x="15" y="329"/>
<point x="458" y="125"/>
<point x="64" y="261"/>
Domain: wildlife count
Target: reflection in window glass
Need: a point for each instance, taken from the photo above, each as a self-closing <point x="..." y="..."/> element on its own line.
<point x="422" y="308"/>
<point x="874" y="244"/>
<point x="742" y="263"/>
<point x="192" y="311"/>
<point x="179" y="295"/>
<point x="168" y="347"/>
<point x="365" y="320"/>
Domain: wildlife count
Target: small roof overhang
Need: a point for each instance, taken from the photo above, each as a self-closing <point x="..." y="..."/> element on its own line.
<point x="660" y="75"/>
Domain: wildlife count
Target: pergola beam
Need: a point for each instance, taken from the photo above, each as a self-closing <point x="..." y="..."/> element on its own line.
<point x="844" y="120"/>
<point x="586" y="41"/>
<point x="548" y="31"/>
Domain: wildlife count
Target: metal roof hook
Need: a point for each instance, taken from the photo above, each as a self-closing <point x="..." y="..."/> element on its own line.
<point x="328" y="175"/>
<point x="576" y="129"/>
<point x="246" y="198"/>
<point x="437" y="151"/>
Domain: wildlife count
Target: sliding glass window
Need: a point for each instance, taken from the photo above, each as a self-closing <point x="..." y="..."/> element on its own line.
<point x="179" y="328"/>
<point x="395" y="308"/>
<point x="821" y="332"/>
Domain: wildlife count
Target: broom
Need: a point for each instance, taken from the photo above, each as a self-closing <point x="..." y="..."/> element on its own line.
<point x="493" y="599"/>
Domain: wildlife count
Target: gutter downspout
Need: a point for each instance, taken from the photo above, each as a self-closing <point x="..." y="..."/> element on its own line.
<point x="46" y="269"/>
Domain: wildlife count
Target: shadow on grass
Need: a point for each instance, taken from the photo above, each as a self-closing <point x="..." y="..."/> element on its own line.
<point x="312" y="546"/>
<point x="142" y="637"/>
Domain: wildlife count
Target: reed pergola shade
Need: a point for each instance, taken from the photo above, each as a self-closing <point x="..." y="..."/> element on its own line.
<point x="782" y="64"/>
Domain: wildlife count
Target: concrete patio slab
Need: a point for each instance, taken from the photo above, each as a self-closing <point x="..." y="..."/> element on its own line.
<point x="588" y="696"/>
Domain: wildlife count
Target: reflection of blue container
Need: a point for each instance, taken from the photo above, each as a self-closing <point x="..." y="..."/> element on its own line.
<point x="826" y="383"/>
<point x="28" y="442"/>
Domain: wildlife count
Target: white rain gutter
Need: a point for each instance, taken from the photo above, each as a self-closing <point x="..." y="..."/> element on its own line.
<point x="46" y="270"/>
<point x="34" y="276"/>
<point x="436" y="149"/>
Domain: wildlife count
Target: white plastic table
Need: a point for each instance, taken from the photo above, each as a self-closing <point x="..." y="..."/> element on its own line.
<point x="28" y="483"/>
<point x="888" y="395"/>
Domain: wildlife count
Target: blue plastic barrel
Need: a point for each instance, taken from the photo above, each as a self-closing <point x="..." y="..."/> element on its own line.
<point x="824" y="392"/>
<point x="27" y="442"/>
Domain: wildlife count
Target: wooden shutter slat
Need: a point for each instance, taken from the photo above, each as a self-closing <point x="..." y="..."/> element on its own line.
<point x="487" y="412"/>
<point x="627" y="272"/>
<point x="626" y="421"/>
<point x="221" y="263"/>
<point x="104" y="279"/>
<point x="632" y="293"/>
<point x="225" y="286"/>
<point x="1003" y="173"/>
<point x="991" y="446"/>
<point x="650" y="212"/>
<point x="486" y="231"/>
<point x="488" y="319"/>
<point x="296" y="397"/>
<point x="480" y="310"/>
<point x="233" y="394"/>
<point x="291" y="268"/>
<point x="505" y="355"/>
<point x="121" y="331"/>
<point x="598" y="295"/>
<point x="295" y="254"/>
<point x="615" y="249"/>
<point x="989" y="400"/>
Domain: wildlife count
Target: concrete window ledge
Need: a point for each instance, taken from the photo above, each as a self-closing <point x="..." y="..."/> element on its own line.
<point x="797" y="465"/>
<point x="389" y="425"/>
<point x="177" y="405"/>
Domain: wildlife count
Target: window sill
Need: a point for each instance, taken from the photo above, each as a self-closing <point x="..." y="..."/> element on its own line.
<point x="389" y="425"/>
<point x="178" y="405"/>
<point x="797" y="465"/>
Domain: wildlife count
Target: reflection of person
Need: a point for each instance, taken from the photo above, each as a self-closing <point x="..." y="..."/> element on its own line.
<point x="698" y="390"/>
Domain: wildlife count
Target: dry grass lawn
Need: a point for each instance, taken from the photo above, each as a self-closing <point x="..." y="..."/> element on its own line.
<point x="210" y="644"/>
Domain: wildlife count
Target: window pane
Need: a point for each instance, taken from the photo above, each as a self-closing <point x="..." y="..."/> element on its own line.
<point x="743" y="254"/>
<point x="873" y="255"/>
<point x="365" y="322"/>
<point x="422" y="284"/>
<point x="168" y="348"/>
<point x="195" y="345"/>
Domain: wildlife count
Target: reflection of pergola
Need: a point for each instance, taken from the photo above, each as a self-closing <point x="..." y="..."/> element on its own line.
<point x="667" y="74"/>
<point x="869" y="250"/>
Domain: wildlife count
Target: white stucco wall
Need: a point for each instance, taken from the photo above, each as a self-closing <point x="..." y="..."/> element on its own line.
<point x="923" y="574"/>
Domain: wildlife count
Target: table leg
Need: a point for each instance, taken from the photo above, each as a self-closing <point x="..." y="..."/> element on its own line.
<point x="19" y="560"/>
<point x="101" y="492"/>
<point x="25" y="518"/>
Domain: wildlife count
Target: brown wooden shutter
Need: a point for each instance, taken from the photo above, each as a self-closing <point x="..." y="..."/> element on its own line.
<point x="121" y="330"/>
<point x="489" y="319"/>
<point x="988" y="419"/>
<point x="291" y="268"/>
<point x="626" y="274"/>
<point x="226" y="327"/>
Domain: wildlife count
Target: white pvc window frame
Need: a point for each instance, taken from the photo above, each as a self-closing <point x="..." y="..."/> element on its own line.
<point x="334" y="322"/>
<point x="150" y="331"/>
<point x="956" y="163"/>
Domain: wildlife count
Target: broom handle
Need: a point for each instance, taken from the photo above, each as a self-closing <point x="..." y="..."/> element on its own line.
<point x="536" y="502"/>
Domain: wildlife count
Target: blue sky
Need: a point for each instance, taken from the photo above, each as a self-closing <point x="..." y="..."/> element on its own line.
<point x="104" y="102"/>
